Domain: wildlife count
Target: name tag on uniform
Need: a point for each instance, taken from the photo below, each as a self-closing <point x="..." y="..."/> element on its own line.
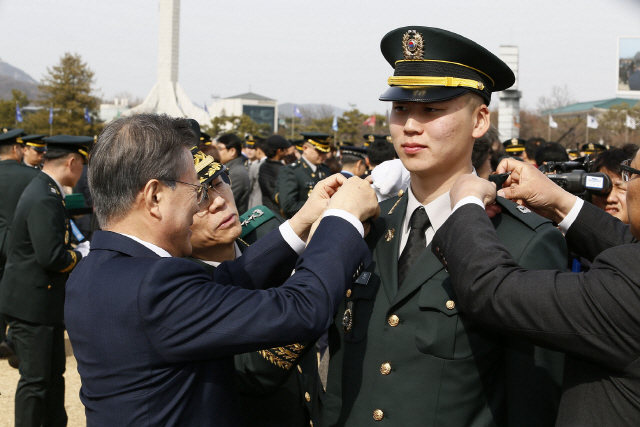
<point x="363" y="279"/>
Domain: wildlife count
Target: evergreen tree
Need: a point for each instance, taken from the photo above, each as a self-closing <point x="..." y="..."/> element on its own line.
<point x="8" y="109"/>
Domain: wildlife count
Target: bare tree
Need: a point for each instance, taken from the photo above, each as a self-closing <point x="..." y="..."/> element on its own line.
<point x="560" y="97"/>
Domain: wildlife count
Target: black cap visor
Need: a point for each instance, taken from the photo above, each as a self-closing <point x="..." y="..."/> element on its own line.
<point x="422" y="94"/>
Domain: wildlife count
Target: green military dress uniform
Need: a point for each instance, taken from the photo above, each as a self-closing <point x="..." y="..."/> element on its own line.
<point x="279" y="387"/>
<point x="296" y="180"/>
<point x="409" y="356"/>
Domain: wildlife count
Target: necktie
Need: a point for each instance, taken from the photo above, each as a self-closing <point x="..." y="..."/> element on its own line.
<point x="416" y="243"/>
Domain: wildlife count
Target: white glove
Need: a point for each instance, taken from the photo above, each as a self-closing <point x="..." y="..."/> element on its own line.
<point x="388" y="178"/>
<point x="83" y="248"/>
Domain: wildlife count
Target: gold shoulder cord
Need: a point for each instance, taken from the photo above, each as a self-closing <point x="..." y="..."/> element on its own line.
<point x="400" y="194"/>
<point x="243" y="242"/>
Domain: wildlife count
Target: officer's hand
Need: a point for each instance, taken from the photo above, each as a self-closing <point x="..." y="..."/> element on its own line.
<point x="529" y="187"/>
<point x="358" y="198"/>
<point x="471" y="185"/>
<point x="315" y="206"/>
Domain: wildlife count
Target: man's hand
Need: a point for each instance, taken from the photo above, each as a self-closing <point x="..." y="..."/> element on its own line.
<point x="472" y="185"/>
<point x="314" y="207"/>
<point x="358" y="198"/>
<point x="529" y="187"/>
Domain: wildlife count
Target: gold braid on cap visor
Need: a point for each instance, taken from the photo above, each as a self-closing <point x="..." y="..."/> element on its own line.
<point x="422" y="66"/>
<point x="319" y="146"/>
<point x="33" y="144"/>
<point x="413" y="81"/>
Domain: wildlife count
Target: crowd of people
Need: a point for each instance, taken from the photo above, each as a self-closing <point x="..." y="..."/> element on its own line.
<point x="253" y="280"/>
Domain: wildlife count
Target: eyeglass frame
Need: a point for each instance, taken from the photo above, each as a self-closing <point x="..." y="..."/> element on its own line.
<point x="201" y="190"/>
<point x="626" y="170"/>
<point x="225" y="173"/>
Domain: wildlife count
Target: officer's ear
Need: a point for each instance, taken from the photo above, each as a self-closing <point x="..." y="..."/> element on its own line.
<point x="151" y="195"/>
<point x="482" y="121"/>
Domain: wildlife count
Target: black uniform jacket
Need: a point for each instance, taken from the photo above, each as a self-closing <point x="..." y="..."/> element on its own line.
<point x="295" y="182"/>
<point x="40" y="258"/>
<point x="14" y="178"/>
<point x="593" y="316"/>
<point x="411" y="356"/>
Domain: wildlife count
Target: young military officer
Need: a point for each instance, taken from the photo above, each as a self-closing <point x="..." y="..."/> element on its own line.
<point x="278" y="386"/>
<point x="296" y="181"/>
<point x="402" y="351"/>
<point x="34" y="149"/>
<point x="14" y="178"/>
<point x="33" y="286"/>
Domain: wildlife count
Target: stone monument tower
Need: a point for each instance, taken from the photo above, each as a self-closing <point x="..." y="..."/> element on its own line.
<point x="509" y="109"/>
<point x="167" y="96"/>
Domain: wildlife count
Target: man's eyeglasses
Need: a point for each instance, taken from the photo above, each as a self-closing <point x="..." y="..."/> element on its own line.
<point x="221" y="187"/>
<point x="201" y="191"/>
<point x="627" y="171"/>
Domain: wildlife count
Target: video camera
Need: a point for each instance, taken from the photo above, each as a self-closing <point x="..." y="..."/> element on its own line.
<point x="576" y="177"/>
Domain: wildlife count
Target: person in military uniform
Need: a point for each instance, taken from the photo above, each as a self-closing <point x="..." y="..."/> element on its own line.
<point x="370" y="138"/>
<point x="592" y="149"/>
<point x="515" y="147"/>
<point x="402" y="352"/>
<point x="276" y="389"/>
<point x="14" y="178"/>
<point x="295" y="181"/>
<point x="34" y="149"/>
<point x="276" y="148"/>
<point x="354" y="161"/>
<point x="32" y="290"/>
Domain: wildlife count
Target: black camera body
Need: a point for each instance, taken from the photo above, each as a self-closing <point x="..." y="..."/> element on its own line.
<point x="576" y="178"/>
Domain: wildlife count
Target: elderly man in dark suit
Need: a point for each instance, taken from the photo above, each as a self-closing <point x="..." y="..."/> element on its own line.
<point x="154" y="336"/>
<point x="592" y="316"/>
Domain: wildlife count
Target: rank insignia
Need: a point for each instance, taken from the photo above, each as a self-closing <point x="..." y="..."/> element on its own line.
<point x="523" y="209"/>
<point x="389" y="235"/>
<point x="412" y="45"/>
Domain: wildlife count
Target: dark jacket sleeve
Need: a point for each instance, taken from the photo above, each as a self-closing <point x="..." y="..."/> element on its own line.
<point x="47" y="228"/>
<point x="585" y="314"/>
<point x="594" y="231"/>
<point x="187" y="317"/>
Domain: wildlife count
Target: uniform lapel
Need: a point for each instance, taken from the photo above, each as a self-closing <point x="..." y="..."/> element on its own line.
<point x="425" y="267"/>
<point x="388" y="247"/>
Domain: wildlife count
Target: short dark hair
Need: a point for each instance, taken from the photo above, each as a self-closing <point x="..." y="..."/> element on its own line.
<point x="481" y="152"/>
<point x="6" y="149"/>
<point x="349" y="159"/>
<point x="532" y="145"/>
<point x="380" y="151"/>
<point x="610" y="159"/>
<point x="131" y="151"/>
<point x="551" y="152"/>
<point x="231" y="140"/>
<point x="55" y="154"/>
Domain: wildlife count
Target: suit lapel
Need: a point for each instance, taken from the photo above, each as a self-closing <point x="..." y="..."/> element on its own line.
<point x="388" y="247"/>
<point x="425" y="267"/>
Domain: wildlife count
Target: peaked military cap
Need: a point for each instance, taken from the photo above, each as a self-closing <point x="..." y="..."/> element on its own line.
<point x="319" y="140"/>
<point x="70" y="143"/>
<point x="592" y="148"/>
<point x="514" y="145"/>
<point x="207" y="168"/>
<point x="205" y="138"/>
<point x="369" y="138"/>
<point x="249" y="141"/>
<point x="354" y="151"/>
<point x="436" y="65"/>
<point x="36" y="142"/>
<point x="11" y="136"/>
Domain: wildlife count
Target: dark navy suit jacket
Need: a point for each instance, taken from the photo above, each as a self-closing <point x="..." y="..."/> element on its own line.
<point x="155" y="338"/>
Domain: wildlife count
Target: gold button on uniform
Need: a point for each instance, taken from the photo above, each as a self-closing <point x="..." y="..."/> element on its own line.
<point x="348" y="293"/>
<point x="378" y="415"/>
<point x="385" y="369"/>
<point x="48" y="286"/>
<point x="307" y="397"/>
<point x="394" y="320"/>
<point x="451" y="305"/>
<point x="311" y="423"/>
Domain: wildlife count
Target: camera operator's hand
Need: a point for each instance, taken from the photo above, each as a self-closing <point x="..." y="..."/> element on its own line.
<point x="471" y="185"/>
<point x="529" y="187"/>
<point x="358" y="198"/>
<point x="315" y="205"/>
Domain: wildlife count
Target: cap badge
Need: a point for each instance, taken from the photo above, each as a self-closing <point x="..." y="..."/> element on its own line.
<point x="371" y="138"/>
<point x="592" y="147"/>
<point x="413" y="45"/>
<point x="514" y="141"/>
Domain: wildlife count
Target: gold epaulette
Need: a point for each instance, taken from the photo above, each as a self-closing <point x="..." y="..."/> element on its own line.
<point x="283" y="357"/>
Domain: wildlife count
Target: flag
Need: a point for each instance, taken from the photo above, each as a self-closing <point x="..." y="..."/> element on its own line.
<point x="205" y="108"/>
<point x="87" y="117"/>
<point x="371" y="121"/>
<point x="592" y="122"/>
<point x="51" y="115"/>
<point x="18" y="113"/>
<point x="552" y="123"/>
<point x="335" y="124"/>
<point x="630" y="122"/>
<point x="296" y="112"/>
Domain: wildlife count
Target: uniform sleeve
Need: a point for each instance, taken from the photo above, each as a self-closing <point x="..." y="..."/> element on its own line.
<point x="585" y="314"/>
<point x="47" y="229"/>
<point x="288" y="192"/>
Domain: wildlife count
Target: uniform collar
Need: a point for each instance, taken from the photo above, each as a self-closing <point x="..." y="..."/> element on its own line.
<point x="62" y="193"/>
<point x="216" y="263"/>
<point x="311" y="165"/>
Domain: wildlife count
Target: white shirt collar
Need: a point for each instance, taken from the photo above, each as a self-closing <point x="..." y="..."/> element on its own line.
<point x="438" y="210"/>
<point x="62" y="193"/>
<point x="157" y="249"/>
<point x="216" y="263"/>
<point x="311" y="165"/>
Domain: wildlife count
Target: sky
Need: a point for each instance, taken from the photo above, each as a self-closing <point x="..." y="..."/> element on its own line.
<point x="314" y="52"/>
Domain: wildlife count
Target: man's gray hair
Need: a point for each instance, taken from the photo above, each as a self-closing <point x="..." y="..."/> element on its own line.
<point x="131" y="151"/>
